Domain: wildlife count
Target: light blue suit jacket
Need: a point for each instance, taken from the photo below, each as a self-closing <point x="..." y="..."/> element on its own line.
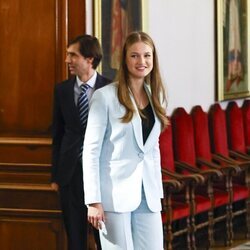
<point x="115" y="161"/>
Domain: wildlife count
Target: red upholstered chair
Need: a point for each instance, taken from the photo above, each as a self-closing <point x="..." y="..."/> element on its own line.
<point x="219" y="146"/>
<point x="181" y="204"/>
<point x="235" y="129"/>
<point x="246" y="121"/>
<point x="184" y="150"/>
<point x="172" y="210"/>
<point x="203" y="152"/>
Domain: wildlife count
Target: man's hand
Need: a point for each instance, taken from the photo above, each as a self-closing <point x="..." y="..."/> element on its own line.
<point x="54" y="186"/>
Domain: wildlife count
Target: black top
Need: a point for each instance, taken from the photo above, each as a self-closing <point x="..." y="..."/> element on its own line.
<point x="147" y="121"/>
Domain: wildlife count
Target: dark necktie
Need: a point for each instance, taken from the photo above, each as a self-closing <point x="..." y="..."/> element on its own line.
<point x="83" y="107"/>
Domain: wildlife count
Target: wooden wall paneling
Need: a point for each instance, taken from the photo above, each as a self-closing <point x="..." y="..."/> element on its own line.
<point x="28" y="196"/>
<point x="30" y="218"/>
<point x="34" y="38"/>
<point x="24" y="173"/>
<point x="32" y="54"/>
<point x="76" y="18"/>
<point x="62" y="12"/>
<point x="25" y="150"/>
<point x="21" y="232"/>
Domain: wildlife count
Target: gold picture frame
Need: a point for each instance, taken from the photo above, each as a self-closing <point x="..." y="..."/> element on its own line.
<point x="113" y="20"/>
<point x="232" y="49"/>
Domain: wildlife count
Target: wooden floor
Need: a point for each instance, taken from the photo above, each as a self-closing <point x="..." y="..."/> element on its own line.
<point x="240" y="241"/>
<point x="236" y="246"/>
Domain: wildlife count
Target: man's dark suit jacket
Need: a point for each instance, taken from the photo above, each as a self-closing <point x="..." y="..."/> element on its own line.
<point x="67" y="135"/>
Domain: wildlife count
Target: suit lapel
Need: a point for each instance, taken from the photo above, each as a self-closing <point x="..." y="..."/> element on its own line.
<point x="154" y="133"/>
<point x="100" y="81"/>
<point x="69" y="93"/>
<point x="137" y="125"/>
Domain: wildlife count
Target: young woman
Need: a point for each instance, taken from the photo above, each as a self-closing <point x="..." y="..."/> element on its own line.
<point x="121" y="166"/>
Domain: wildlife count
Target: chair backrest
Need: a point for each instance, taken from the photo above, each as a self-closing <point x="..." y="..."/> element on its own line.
<point x="235" y="127"/>
<point x="183" y="136"/>
<point x="201" y="133"/>
<point x="166" y="149"/>
<point x="246" y="120"/>
<point x="218" y="130"/>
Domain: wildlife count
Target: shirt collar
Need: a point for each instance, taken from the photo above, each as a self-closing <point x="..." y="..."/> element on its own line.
<point x="90" y="82"/>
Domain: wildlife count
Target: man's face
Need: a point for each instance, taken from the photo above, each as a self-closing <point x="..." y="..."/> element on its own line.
<point x="78" y="64"/>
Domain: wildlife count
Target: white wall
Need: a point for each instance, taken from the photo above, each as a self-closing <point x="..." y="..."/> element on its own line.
<point x="184" y="36"/>
<point x="183" y="31"/>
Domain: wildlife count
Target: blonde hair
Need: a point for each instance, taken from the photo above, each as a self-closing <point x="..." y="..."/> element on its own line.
<point x="153" y="79"/>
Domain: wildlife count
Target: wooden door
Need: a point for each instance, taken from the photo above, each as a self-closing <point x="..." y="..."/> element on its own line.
<point x="34" y="35"/>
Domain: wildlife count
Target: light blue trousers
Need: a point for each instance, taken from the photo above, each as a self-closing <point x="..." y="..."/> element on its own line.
<point x="137" y="230"/>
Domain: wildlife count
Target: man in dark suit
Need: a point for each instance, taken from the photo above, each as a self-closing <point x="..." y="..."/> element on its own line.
<point x="83" y="56"/>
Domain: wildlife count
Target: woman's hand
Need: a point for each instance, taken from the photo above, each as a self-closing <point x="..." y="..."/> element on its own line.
<point x="96" y="215"/>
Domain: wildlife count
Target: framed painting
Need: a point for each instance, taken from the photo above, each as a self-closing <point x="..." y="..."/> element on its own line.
<point x="113" y="20"/>
<point x="232" y="49"/>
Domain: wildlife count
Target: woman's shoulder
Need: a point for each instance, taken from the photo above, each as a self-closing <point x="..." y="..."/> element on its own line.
<point x="105" y="96"/>
<point x="107" y="89"/>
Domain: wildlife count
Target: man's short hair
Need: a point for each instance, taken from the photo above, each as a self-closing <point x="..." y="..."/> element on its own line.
<point x="89" y="47"/>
